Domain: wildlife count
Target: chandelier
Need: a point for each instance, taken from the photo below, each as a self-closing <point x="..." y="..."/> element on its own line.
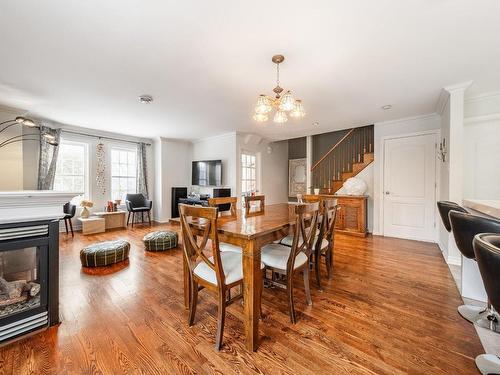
<point x="285" y="105"/>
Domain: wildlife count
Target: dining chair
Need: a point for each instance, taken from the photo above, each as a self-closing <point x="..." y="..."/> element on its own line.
<point x="222" y="202"/>
<point x="232" y="203"/>
<point x="324" y="243"/>
<point x="138" y="204"/>
<point x="250" y="208"/>
<point x="288" y="261"/>
<point x="218" y="273"/>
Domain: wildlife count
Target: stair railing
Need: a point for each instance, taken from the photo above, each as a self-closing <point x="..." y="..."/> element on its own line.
<point x="341" y="157"/>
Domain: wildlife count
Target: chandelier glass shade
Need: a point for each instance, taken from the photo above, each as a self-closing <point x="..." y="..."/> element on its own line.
<point x="285" y="105"/>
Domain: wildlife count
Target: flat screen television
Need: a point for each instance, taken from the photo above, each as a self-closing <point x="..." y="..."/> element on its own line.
<point x="207" y="173"/>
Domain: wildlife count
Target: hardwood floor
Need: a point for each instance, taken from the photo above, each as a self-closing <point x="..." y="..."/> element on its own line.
<point x="389" y="309"/>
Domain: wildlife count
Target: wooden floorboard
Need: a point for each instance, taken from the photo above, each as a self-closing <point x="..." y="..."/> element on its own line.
<point x="389" y="309"/>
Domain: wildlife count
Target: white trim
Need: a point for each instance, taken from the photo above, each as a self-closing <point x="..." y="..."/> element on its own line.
<point x="380" y="200"/>
<point x="480" y="97"/>
<point x="212" y="137"/>
<point x="405" y="119"/>
<point x="456" y="261"/>
<point x="458" y="86"/>
<point x="443" y="99"/>
<point x="483" y="118"/>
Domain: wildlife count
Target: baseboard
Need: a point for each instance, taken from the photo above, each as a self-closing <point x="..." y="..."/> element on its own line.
<point x="456" y="261"/>
<point x="162" y="221"/>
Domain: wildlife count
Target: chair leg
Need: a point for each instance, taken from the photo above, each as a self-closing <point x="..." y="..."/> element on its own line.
<point x="193" y="300"/>
<point x="71" y="227"/>
<point x="142" y="217"/>
<point x="291" y="305"/>
<point x="317" y="259"/>
<point x="128" y="218"/>
<point x="221" y="317"/>
<point x="306" y="286"/>
<point x="66" y="225"/>
<point x="329" y="262"/>
<point x="149" y="218"/>
<point x="133" y="219"/>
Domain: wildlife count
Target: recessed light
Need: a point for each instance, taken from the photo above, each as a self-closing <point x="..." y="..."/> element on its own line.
<point x="315" y="123"/>
<point x="387" y="107"/>
<point x="146" y="99"/>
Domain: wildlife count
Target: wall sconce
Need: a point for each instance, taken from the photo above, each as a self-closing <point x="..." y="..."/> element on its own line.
<point x="442" y="150"/>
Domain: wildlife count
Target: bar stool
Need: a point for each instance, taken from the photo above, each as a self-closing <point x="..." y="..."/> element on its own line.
<point x="487" y="251"/>
<point x="444" y="208"/>
<point x="465" y="226"/>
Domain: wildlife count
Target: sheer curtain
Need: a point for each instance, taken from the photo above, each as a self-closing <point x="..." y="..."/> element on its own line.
<point x="48" y="158"/>
<point x="142" y="166"/>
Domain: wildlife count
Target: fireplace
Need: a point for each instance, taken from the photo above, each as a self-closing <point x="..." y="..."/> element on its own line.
<point x="29" y="262"/>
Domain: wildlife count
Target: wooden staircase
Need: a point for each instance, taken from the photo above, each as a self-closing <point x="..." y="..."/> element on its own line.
<point x="348" y="157"/>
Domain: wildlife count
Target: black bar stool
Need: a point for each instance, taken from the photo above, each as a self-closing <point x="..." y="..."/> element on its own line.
<point x="487" y="251"/>
<point x="465" y="226"/>
<point x="444" y="208"/>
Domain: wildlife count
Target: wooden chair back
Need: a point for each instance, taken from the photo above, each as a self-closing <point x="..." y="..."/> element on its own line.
<point x="232" y="201"/>
<point x="303" y="212"/>
<point x="255" y="198"/>
<point x="205" y="219"/>
<point x="330" y="208"/>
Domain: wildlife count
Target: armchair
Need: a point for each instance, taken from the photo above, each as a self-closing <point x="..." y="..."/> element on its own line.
<point x="137" y="203"/>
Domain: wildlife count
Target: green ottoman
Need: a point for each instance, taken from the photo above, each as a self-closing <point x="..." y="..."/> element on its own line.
<point x="160" y="240"/>
<point x="104" y="253"/>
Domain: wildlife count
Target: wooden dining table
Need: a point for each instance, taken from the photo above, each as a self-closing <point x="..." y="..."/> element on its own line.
<point x="251" y="232"/>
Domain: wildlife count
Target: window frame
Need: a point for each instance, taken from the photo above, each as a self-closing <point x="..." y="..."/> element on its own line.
<point x="118" y="147"/>
<point x="244" y="166"/>
<point x="86" y="164"/>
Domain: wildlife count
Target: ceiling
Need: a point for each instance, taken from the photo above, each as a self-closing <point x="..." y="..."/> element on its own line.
<point x="86" y="62"/>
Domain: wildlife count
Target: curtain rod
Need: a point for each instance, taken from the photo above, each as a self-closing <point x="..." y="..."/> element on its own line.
<point x="102" y="137"/>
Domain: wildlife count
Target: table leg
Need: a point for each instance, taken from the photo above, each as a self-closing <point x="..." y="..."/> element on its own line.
<point x="252" y="286"/>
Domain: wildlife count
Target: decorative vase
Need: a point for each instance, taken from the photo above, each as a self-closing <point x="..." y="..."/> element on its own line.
<point x="85" y="213"/>
<point x="316" y="191"/>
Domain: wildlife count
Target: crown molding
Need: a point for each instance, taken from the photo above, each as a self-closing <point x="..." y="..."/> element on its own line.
<point x="444" y="97"/>
<point x="484" y="96"/>
<point x="214" y="137"/>
<point x="483" y="118"/>
<point x="462" y="86"/>
<point x="405" y="119"/>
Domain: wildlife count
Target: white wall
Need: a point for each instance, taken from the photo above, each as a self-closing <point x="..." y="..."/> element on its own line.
<point x="388" y="129"/>
<point x="221" y="147"/>
<point x="172" y="169"/>
<point x="482" y="147"/>
<point x="272" y="163"/>
<point x="11" y="156"/>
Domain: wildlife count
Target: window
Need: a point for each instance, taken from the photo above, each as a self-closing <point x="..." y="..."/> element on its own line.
<point x="72" y="167"/>
<point x="123" y="172"/>
<point x="248" y="173"/>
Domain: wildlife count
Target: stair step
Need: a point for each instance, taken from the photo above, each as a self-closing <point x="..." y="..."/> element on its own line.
<point x="346" y="175"/>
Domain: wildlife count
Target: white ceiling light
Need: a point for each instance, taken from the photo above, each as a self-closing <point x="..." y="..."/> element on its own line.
<point x="387" y="107"/>
<point x="146" y="99"/>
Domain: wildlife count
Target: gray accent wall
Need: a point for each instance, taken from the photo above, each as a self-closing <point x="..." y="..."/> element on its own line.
<point x="322" y="143"/>
<point x="297" y="148"/>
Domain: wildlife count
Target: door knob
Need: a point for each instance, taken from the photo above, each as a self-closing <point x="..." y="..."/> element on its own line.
<point x="387" y="193"/>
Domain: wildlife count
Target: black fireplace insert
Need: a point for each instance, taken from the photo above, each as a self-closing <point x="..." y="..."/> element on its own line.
<point x="29" y="277"/>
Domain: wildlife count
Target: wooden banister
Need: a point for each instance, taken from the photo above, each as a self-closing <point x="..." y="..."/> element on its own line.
<point x="333" y="148"/>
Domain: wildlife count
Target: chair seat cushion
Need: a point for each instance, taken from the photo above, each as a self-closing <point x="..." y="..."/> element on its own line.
<point x="135" y="209"/>
<point x="287" y="241"/>
<point x="228" y="247"/>
<point x="104" y="253"/>
<point x="160" y="240"/>
<point x="276" y="256"/>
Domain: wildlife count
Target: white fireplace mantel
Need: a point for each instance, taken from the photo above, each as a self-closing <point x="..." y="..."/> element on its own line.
<point x="32" y="205"/>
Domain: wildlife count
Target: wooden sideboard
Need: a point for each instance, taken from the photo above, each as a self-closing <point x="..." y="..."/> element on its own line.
<point x="352" y="215"/>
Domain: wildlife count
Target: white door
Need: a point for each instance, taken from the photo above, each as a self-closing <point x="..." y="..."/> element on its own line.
<point x="409" y="190"/>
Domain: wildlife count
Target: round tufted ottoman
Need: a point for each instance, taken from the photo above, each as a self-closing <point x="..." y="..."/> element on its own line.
<point x="160" y="240"/>
<point x="104" y="253"/>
